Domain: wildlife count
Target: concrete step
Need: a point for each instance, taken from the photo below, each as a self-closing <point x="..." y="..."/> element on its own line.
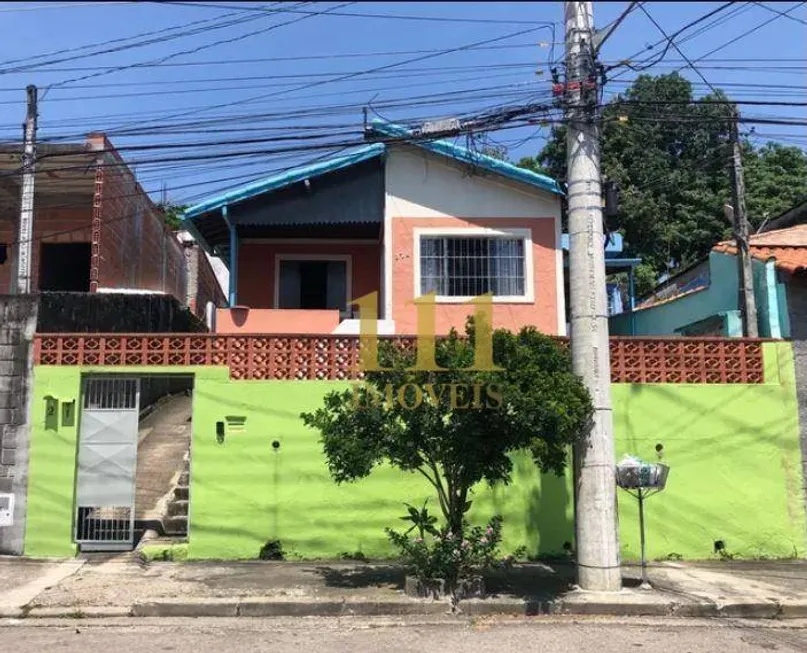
<point x="184" y="478"/>
<point x="178" y="524"/>
<point x="178" y="508"/>
<point x="182" y="492"/>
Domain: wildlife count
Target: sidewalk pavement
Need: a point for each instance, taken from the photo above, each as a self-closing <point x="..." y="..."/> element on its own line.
<point x="106" y="586"/>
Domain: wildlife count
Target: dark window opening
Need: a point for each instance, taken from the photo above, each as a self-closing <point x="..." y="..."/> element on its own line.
<point x="65" y="267"/>
<point x="3" y="253"/>
<point x="313" y="285"/>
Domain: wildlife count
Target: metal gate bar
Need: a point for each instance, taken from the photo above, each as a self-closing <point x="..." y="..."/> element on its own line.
<point x="106" y="464"/>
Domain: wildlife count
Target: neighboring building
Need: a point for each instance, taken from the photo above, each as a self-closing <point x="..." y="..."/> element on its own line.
<point x="207" y="276"/>
<point x="400" y="220"/>
<point x="703" y="300"/>
<point x="790" y="218"/>
<point x="619" y="295"/>
<point x="95" y="229"/>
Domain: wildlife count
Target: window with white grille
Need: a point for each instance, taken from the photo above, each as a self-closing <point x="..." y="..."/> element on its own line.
<point x="468" y="266"/>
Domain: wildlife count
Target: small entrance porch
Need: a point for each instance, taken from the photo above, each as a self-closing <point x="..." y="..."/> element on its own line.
<point x="301" y="247"/>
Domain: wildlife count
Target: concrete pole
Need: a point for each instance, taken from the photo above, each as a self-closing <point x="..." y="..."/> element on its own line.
<point x="596" y="522"/>
<point x="26" y="226"/>
<point x="748" y="304"/>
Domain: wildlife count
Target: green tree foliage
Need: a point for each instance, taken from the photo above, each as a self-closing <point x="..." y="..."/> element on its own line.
<point x="456" y="436"/>
<point x="172" y="214"/>
<point x="670" y="159"/>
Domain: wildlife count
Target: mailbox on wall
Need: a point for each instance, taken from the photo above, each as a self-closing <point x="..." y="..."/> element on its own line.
<point x="6" y="509"/>
<point x="51" y="413"/>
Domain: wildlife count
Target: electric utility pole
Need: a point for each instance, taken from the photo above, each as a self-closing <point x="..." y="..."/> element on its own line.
<point x="596" y="520"/>
<point x="26" y="226"/>
<point x="745" y="272"/>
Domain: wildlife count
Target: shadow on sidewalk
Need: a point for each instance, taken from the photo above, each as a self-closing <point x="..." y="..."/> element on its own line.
<point x="370" y="575"/>
<point x="525" y="581"/>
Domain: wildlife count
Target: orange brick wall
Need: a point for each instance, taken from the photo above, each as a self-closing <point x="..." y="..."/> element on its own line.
<point x="136" y="250"/>
<point x="51" y="225"/>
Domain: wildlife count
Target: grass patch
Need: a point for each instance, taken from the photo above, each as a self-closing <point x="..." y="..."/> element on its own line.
<point x="160" y="553"/>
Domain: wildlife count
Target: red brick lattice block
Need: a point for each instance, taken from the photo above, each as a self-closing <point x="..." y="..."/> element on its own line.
<point x="331" y="357"/>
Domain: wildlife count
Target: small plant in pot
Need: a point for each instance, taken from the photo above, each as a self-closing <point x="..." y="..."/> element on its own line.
<point x="445" y="563"/>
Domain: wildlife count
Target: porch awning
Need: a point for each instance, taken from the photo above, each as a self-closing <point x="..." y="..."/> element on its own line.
<point x="338" y="193"/>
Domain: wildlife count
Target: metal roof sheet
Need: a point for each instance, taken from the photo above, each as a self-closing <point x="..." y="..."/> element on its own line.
<point x="284" y="179"/>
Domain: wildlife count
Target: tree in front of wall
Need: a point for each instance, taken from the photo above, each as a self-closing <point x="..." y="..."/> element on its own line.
<point x="172" y="214"/>
<point x="456" y="427"/>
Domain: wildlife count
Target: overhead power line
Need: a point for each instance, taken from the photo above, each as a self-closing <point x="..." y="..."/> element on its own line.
<point x="238" y="62"/>
<point x="668" y="39"/>
<point x="608" y="30"/>
<point x="671" y="41"/>
<point x="752" y="30"/>
<point x="440" y="19"/>
<point x="353" y="75"/>
<point x="199" y="48"/>
<point x="160" y="35"/>
<point x="781" y="13"/>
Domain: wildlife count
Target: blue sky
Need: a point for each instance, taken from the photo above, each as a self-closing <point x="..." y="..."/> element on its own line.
<point x="303" y="69"/>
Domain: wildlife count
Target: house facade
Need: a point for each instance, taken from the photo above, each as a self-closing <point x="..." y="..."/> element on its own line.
<point x="704" y="299"/>
<point x="389" y="224"/>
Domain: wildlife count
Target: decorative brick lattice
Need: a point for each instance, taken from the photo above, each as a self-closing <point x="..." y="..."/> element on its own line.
<point x="332" y="357"/>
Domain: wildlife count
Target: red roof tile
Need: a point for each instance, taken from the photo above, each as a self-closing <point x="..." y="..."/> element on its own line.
<point x="787" y="247"/>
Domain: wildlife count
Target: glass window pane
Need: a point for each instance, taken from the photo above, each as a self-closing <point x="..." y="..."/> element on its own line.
<point x="460" y="266"/>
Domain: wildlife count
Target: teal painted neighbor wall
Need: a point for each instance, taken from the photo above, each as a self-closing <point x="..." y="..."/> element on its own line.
<point x="733" y="451"/>
<point x="719" y="297"/>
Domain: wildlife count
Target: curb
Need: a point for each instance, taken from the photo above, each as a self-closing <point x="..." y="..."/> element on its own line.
<point x="257" y="607"/>
<point x="89" y="612"/>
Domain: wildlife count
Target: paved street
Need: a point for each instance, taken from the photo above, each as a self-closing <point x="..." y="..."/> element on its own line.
<point x="550" y="635"/>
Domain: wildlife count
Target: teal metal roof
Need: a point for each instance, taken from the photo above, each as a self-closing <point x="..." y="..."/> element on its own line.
<point x="382" y="129"/>
<point x="283" y="179"/>
<point x="465" y="155"/>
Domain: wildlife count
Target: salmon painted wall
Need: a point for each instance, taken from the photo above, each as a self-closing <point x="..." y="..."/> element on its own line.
<point x="280" y="320"/>
<point x="424" y="191"/>
<point x="542" y="313"/>
<point x="256" y="268"/>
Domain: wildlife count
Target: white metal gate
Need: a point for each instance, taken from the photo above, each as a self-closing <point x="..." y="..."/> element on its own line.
<point x="107" y="456"/>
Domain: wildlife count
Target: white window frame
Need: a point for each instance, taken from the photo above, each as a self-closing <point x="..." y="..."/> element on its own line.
<point x="347" y="258"/>
<point x="504" y="232"/>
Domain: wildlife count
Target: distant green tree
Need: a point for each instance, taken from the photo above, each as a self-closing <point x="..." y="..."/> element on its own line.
<point x="172" y="214"/>
<point x="670" y="159"/>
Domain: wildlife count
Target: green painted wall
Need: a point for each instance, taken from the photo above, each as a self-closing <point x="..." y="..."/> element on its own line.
<point x="244" y="492"/>
<point x="51" y="466"/>
<point x="734" y="452"/>
<point x="734" y="459"/>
